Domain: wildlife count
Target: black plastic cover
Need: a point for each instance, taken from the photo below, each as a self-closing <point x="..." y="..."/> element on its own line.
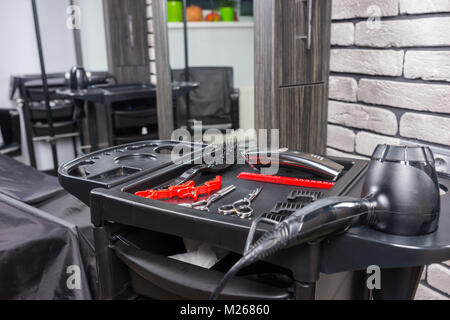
<point x="25" y="183"/>
<point x="38" y="255"/>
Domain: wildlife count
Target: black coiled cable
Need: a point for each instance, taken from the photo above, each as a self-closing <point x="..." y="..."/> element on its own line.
<point x="323" y="217"/>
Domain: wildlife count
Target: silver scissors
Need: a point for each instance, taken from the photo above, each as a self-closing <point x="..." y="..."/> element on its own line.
<point x="242" y="208"/>
<point x="205" y="204"/>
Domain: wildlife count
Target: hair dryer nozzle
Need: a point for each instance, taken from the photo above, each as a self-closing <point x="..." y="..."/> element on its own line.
<point x="403" y="184"/>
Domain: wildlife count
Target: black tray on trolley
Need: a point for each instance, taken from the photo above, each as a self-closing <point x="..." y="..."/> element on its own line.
<point x="338" y="253"/>
<point x="197" y="223"/>
<point x="115" y="201"/>
<point x="113" y="166"/>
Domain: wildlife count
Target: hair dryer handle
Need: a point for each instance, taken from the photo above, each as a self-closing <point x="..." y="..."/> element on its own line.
<point x="317" y="220"/>
<point x="327" y="216"/>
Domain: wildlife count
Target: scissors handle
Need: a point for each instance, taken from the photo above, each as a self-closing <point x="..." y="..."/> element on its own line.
<point x="244" y="212"/>
<point x="242" y="208"/>
<point x="227" y="210"/>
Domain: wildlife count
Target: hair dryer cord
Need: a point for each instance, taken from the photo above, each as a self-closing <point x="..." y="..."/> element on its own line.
<point x="321" y="218"/>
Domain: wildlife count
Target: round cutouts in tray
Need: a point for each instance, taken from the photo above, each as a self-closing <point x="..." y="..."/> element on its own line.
<point x="141" y="146"/>
<point x="165" y="149"/>
<point x="134" y="159"/>
<point x="81" y="169"/>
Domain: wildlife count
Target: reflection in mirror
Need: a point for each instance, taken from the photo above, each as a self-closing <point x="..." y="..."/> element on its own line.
<point x="220" y="57"/>
<point x="92" y="34"/>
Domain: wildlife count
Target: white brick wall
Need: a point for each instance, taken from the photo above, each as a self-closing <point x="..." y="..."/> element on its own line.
<point x="335" y="153"/>
<point x="425" y="293"/>
<point x="367" y="142"/>
<point x="363" y="117"/>
<point x="342" y="34"/>
<point x="348" y="9"/>
<point x="404" y="33"/>
<point x="343" y="88"/>
<point x="427" y="65"/>
<point x="425" y="128"/>
<point x="341" y="137"/>
<point x="424" y="6"/>
<point x="151" y="42"/>
<point x="390" y="81"/>
<point x="438" y="277"/>
<point x="373" y="62"/>
<point x="405" y="95"/>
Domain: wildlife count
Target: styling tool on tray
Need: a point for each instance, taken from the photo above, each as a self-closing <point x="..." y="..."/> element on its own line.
<point x="204" y="205"/>
<point x="286" y="180"/>
<point x="229" y="152"/>
<point x="320" y="165"/>
<point x="242" y="208"/>
<point x="183" y="191"/>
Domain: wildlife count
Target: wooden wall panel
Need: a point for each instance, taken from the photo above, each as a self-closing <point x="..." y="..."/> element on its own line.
<point x="303" y="118"/>
<point x="126" y="40"/>
<point x="266" y="87"/>
<point x="291" y="82"/>
<point x="164" y="85"/>
<point x="297" y="64"/>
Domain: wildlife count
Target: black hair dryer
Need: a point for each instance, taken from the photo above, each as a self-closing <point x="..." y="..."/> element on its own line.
<point x="78" y="79"/>
<point x="403" y="186"/>
<point x="400" y="196"/>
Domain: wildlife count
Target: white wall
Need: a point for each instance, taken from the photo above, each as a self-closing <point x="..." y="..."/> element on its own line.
<point x="19" y="54"/>
<point x="93" y="39"/>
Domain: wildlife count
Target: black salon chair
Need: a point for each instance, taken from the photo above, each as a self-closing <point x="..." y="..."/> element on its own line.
<point x="9" y="132"/>
<point x="215" y="102"/>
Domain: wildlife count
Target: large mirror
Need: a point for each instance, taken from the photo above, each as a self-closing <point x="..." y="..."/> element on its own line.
<point x="216" y="49"/>
<point x="92" y="35"/>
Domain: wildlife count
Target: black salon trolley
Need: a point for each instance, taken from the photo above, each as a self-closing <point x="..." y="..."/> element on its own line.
<point x="134" y="236"/>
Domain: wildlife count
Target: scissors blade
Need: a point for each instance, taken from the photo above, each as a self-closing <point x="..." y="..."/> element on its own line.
<point x="219" y="195"/>
<point x="226" y="191"/>
<point x="252" y="196"/>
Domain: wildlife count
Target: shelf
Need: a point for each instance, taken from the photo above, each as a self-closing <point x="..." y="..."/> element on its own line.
<point x="213" y="25"/>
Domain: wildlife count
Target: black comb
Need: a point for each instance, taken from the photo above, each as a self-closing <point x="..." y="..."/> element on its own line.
<point x="286" y="208"/>
<point x="282" y="210"/>
<point x="304" y="196"/>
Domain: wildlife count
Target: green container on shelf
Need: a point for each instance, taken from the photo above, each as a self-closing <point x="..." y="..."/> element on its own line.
<point x="175" y="11"/>
<point x="227" y="14"/>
